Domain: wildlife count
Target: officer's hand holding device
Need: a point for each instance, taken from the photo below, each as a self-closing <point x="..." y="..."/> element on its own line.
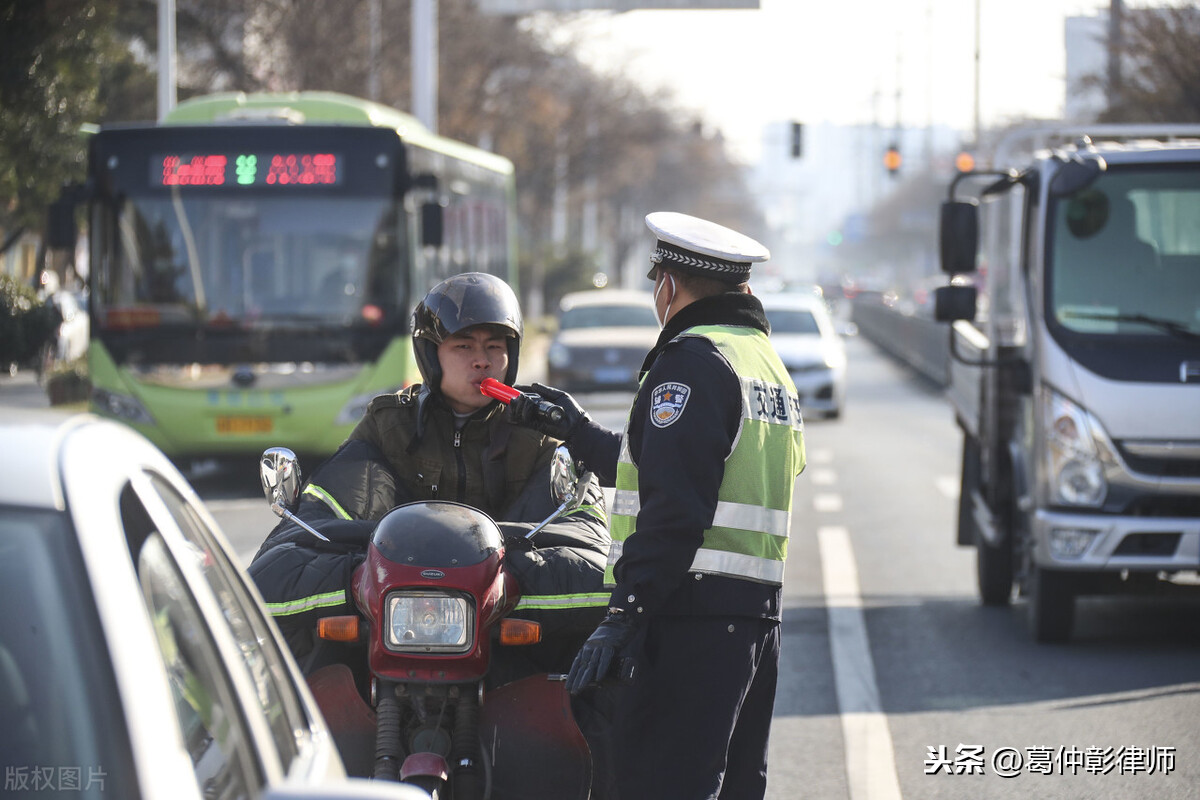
<point x="524" y="411"/>
<point x="601" y="651"/>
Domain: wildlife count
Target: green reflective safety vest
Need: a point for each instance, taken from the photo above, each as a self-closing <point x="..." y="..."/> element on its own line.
<point x="748" y="538"/>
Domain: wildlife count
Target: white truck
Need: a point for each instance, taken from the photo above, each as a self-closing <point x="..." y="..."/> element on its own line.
<point x="1075" y="369"/>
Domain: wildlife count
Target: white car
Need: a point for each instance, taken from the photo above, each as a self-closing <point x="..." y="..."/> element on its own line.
<point x="136" y="659"/>
<point x="807" y="341"/>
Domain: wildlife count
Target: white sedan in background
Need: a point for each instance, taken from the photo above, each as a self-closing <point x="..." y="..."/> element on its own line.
<point x="136" y="659"/>
<point x="808" y="343"/>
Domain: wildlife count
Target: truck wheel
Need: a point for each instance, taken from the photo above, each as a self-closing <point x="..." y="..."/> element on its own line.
<point x="1051" y="605"/>
<point x="994" y="571"/>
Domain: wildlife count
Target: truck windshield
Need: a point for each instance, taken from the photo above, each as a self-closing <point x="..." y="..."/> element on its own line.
<point x="1124" y="259"/>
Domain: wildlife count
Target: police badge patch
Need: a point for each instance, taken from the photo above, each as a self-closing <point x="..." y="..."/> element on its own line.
<point x="667" y="402"/>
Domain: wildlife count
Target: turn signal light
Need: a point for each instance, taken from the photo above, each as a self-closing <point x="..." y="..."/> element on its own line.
<point x="338" y="629"/>
<point x="520" y="631"/>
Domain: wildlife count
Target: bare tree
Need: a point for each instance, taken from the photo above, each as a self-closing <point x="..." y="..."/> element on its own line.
<point x="1159" y="70"/>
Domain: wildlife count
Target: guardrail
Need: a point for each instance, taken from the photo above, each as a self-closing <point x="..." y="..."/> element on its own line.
<point x="920" y="342"/>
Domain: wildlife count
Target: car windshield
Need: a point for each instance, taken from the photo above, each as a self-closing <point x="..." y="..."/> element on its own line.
<point x="792" y="320"/>
<point x="63" y="727"/>
<point x="608" y="316"/>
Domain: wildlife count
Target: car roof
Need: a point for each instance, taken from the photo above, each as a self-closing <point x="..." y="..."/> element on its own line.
<point x="37" y="434"/>
<point x="603" y="297"/>
<point x="792" y="300"/>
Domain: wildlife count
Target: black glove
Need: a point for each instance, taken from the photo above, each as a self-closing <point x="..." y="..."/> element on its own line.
<point x="601" y="651"/>
<point x="524" y="410"/>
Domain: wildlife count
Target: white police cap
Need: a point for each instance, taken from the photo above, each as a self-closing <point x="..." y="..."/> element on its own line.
<point x="699" y="247"/>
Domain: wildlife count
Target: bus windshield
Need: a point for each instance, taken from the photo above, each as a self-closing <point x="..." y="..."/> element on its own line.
<point x="249" y="261"/>
<point x="1125" y="256"/>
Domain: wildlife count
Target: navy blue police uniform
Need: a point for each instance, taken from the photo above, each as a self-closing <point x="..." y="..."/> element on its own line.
<point x="693" y="719"/>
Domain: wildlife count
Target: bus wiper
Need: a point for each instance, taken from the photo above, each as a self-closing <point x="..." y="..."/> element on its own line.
<point x="1169" y="325"/>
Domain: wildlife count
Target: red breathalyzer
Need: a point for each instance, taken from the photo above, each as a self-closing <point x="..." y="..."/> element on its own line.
<point x="497" y="390"/>
<point x="506" y="394"/>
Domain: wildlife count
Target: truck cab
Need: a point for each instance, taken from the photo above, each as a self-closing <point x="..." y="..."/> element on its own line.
<point x="1075" y="370"/>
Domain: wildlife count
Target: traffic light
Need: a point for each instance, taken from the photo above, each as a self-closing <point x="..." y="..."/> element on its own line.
<point x="964" y="161"/>
<point x="891" y="159"/>
<point x="797" y="139"/>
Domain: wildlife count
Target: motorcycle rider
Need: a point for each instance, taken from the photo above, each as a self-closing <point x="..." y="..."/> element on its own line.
<point x="444" y="439"/>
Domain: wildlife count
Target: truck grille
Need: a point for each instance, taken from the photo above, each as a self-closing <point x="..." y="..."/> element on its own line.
<point x="1161" y="458"/>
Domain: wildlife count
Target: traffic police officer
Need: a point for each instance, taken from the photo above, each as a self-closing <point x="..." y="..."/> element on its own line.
<point x="704" y="475"/>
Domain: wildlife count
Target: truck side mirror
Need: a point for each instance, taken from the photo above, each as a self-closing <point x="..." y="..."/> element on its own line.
<point x="952" y="303"/>
<point x="959" y="236"/>
<point x="433" y="220"/>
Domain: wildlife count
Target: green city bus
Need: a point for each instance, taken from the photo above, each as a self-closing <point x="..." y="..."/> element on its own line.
<point x="255" y="258"/>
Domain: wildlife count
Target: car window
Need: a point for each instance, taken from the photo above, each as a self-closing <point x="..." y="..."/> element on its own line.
<point x="62" y="727"/>
<point x="261" y="656"/>
<point x="205" y="701"/>
<point x="609" y="316"/>
<point x="786" y="320"/>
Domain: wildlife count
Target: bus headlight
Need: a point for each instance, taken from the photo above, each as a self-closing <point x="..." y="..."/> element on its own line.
<point x="122" y="406"/>
<point x="420" y="621"/>
<point x="1077" y="453"/>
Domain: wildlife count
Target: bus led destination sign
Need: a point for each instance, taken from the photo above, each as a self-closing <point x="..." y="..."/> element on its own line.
<point x="245" y="169"/>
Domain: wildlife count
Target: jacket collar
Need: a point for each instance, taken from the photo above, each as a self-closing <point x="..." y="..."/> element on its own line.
<point x="729" y="308"/>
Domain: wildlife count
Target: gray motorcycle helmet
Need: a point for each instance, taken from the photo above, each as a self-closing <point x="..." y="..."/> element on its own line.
<point x="458" y="303"/>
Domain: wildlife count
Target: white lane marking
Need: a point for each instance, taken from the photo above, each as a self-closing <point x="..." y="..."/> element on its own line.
<point x="823" y="476"/>
<point x="947" y="485"/>
<point x="821" y="455"/>
<point x="870" y="757"/>
<point x="827" y="502"/>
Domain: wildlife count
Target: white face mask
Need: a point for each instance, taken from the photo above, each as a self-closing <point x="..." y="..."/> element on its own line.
<point x="662" y="321"/>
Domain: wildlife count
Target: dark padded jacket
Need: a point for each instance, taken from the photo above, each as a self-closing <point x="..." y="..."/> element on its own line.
<point x="502" y="469"/>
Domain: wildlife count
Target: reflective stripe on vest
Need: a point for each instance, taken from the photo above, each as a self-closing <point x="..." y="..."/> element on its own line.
<point x="748" y="537"/>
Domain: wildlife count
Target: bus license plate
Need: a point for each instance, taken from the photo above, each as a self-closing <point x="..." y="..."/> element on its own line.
<point x="241" y="426"/>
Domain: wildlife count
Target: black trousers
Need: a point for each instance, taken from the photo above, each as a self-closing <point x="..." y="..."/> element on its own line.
<point x="694" y="723"/>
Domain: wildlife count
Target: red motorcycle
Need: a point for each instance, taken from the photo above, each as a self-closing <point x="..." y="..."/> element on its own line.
<point x="433" y="597"/>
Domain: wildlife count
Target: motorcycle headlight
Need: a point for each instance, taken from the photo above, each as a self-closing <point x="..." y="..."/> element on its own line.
<point x="1077" y="453"/>
<point x="419" y="621"/>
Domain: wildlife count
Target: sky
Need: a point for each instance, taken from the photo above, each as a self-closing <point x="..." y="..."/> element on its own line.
<point x="844" y="61"/>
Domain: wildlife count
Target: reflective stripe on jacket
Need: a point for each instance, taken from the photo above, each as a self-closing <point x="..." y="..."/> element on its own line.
<point x="749" y="532"/>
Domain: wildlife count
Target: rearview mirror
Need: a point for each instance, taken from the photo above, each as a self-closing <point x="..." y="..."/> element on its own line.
<point x="952" y="303"/>
<point x="959" y="236"/>
<point x="564" y="478"/>
<point x="279" y="471"/>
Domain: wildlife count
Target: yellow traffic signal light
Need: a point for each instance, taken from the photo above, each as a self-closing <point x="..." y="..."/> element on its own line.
<point x="964" y="162"/>
<point x="891" y="159"/>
